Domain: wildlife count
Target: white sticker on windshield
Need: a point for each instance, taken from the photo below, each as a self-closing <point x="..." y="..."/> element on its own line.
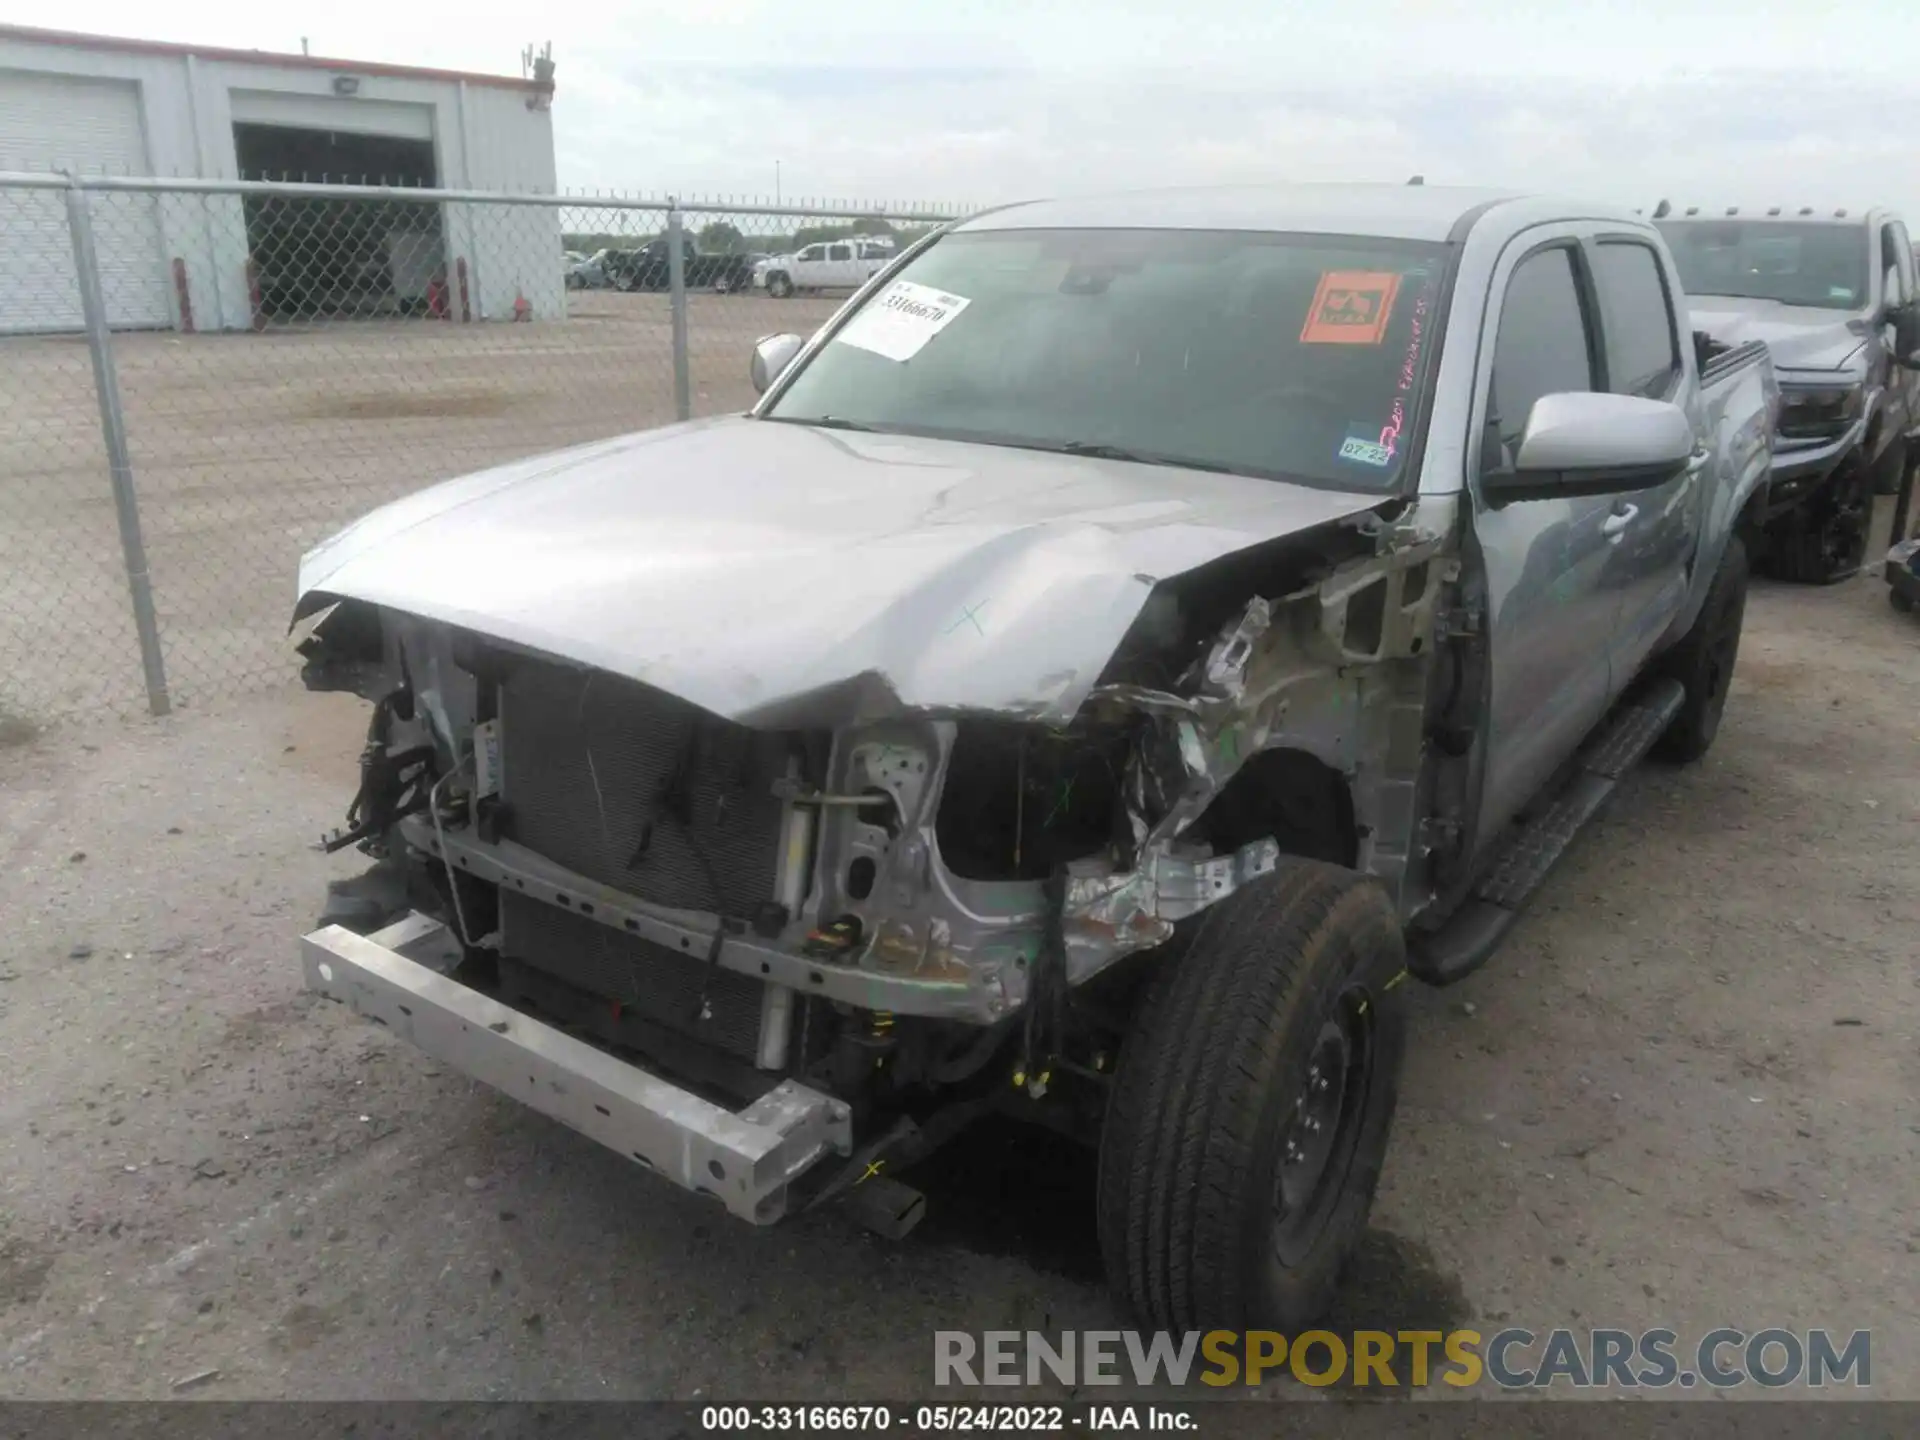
<point x="898" y="322"/>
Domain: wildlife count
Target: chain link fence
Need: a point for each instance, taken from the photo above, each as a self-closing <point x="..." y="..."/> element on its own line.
<point x="200" y="380"/>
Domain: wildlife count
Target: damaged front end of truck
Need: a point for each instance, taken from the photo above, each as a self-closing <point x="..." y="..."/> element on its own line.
<point x="768" y="958"/>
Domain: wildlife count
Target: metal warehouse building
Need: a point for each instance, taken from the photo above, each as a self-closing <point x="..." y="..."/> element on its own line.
<point x="94" y="105"/>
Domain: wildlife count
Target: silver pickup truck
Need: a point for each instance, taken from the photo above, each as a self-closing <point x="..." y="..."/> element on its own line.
<point x="1833" y="295"/>
<point x="1119" y="649"/>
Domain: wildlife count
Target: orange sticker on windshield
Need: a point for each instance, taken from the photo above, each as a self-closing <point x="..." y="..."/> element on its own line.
<point x="1351" y="308"/>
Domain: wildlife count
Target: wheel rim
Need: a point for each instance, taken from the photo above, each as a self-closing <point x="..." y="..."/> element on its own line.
<point x="1843" y="538"/>
<point x="1321" y="1129"/>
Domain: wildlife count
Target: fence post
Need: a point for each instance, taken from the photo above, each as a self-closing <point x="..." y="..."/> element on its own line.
<point x="677" y="284"/>
<point x="113" y="428"/>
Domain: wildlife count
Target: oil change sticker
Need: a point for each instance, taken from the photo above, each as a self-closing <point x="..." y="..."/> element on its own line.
<point x="900" y="321"/>
<point x="1351" y="307"/>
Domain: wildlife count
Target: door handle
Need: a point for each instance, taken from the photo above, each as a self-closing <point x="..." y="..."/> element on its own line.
<point x="1615" y="525"/>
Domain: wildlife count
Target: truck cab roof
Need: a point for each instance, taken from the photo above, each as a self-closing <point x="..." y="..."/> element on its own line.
<point x="1400" y="212"/>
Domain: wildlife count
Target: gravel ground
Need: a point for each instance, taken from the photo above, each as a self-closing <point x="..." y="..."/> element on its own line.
<point x="1682" y="1096"/>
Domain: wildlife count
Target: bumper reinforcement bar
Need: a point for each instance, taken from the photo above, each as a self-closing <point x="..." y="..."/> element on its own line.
<point x="745" y="1160"/>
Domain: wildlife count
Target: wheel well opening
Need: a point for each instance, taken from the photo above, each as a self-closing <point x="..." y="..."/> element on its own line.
<point x="1297" y="798"/>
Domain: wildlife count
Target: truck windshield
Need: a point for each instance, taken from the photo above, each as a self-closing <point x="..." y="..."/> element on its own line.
<point x="1295" y="357"/>
<point x="1818" y="264"/>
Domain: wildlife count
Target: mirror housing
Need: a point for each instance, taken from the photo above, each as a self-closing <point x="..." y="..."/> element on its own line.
<point x="1906" y="335"/>
<point x="1584" y="443"/>
<point x="772" y="354"/>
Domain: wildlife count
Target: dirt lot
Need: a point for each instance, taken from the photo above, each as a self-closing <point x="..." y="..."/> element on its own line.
<point x="247" y="449"/>
<point x="1683" y="1096"/>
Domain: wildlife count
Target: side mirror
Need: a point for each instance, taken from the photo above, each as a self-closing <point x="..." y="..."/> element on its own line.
<point x="1906" y="335"/>
<point x="1582" y="443"/>
<point x="771" y="355"/>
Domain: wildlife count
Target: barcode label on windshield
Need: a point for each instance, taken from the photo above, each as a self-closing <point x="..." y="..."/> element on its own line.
<point x="898" y="322"/>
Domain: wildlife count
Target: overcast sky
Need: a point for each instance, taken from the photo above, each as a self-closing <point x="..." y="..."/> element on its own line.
<point x="984" y="100"/>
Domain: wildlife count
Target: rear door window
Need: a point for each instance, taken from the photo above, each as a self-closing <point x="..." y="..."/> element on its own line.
<point x="1643" y="357"/>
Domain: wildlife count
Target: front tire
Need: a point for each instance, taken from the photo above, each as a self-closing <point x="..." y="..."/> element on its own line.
<point x="1249" y="1117"/>
<point x="780" y="285"/>
<point x="1703" y="661"/>
<point x="1825" y="541"/>
<point x="1892" y="468"/>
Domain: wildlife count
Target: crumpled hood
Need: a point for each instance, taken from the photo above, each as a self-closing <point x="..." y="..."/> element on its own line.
<point x="1800" y="337"/>
<point x="773" y="573"/>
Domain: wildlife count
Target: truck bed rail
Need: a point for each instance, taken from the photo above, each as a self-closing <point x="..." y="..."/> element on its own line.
<point x="1727" y="361"/>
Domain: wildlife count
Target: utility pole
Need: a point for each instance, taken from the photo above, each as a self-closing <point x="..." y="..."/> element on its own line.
<point x="776" y="182"/>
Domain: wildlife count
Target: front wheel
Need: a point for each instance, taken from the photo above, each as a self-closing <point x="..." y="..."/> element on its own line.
<point x="779" y="285"/>
<point x="1249" y="1117"/>
<point x="1825" y="541"/>
<point x="1892" y="468"/>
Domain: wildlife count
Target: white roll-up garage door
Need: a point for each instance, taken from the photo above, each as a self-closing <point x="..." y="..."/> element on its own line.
<point x="91" y="126"/>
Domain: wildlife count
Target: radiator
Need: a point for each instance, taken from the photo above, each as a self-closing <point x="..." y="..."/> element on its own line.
<point x="654" y="797"/>
<point x="682" y="992"/>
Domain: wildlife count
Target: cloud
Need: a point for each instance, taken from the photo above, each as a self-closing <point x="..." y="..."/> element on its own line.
<point x="983" y="100"/>
<point x="986" y="134"/>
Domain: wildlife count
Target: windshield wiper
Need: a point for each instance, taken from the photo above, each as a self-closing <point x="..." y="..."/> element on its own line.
<point x="1100" y="450"/>
<point x="828" y="422"/>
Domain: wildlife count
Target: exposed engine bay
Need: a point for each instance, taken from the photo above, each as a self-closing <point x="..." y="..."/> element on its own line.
<point x="891" y="909"/>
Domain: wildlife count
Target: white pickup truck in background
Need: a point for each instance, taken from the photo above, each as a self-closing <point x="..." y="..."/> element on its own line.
<point x="830" y="265"/>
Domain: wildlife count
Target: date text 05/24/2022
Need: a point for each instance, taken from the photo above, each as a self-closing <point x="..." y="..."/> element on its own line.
<point x="921" y="1419"/>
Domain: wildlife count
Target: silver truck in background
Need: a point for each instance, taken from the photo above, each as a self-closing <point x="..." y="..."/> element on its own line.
<point x="1833" y="295"/>
<point x="1120" y="649"/>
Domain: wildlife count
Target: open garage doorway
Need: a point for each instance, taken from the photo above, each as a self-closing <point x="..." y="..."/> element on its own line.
<point x="334" y="258"/>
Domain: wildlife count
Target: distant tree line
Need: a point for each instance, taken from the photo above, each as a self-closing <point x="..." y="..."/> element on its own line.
<point x="723" y="237"/>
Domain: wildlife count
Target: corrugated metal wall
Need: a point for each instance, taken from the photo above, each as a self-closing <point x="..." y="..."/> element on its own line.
<point x="93" y="126"/>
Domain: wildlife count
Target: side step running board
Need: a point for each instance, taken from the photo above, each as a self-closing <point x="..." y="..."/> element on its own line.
<point x="1470" y="936"/>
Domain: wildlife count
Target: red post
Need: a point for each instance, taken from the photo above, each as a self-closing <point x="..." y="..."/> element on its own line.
<point x="181" y="289"/>
<point x="460" y="270"/>
<point x="253" y="295"/>
<point x="437" y="297"/>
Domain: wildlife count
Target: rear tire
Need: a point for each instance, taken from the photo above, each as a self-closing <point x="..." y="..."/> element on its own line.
<point x="1249" y="1117"/>
<point x="1703" y="661"/>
